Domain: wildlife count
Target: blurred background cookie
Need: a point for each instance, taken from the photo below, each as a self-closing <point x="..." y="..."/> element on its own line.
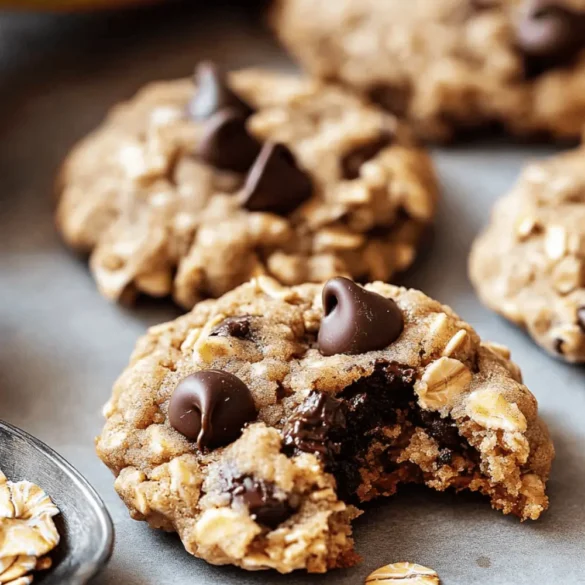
<point x="192" y="189"/>
<point x="529" y="264"/>
<point x="452" y="65"/>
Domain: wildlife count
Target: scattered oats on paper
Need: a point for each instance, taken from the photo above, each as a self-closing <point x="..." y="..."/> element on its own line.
<point x="27" y="531"/>
<point x="403" y="574"/>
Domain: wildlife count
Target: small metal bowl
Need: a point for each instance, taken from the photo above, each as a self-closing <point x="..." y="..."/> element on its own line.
<point x="86" y="529"/>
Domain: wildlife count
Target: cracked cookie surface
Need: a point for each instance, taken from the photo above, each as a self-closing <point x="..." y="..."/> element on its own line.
<point x="160" y="219"/>
<point x="451" y="66"/>
<point x="529" y="263"/>
<point x="430" y="404"/>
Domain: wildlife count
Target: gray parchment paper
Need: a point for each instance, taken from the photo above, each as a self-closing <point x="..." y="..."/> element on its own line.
<point x="62" y="345"/>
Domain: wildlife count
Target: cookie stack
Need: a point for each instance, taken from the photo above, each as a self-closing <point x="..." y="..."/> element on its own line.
<point x="278" y="209"/>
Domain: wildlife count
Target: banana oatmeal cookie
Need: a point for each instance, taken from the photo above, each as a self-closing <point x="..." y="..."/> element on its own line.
<point x="529" y="264"/>
<point x="192" y="189"/>
<point x="256" y="423"/>
<point x="450" y="66"/>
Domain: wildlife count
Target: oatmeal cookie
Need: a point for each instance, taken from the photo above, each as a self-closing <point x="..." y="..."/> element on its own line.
<point x="191" y="190"/>
<point x="529" y="264"/>
<point x="256" y="423"/>
<point x="450" y="66"/>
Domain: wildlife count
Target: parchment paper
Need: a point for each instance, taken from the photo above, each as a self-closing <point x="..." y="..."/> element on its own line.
<point x="62" y="345"/>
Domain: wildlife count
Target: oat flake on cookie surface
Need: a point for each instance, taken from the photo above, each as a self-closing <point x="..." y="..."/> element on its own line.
<point x="450" y="66"/>
<point x="190" y="189"/>
<point x="529" y="263"/>
<point x="256" y="424"/>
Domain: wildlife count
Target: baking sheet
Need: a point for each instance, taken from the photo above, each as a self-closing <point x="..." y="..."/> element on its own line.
<point x="62" y="345"/>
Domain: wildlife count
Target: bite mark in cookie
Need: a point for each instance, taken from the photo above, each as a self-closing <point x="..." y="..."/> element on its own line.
<point x="434" y="406"/>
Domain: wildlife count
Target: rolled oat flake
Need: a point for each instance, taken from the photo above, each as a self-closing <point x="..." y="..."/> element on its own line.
<point x="403" y="574"/>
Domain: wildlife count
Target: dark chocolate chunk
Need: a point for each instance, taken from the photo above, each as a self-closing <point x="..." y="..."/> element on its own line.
<point x="226" y="143"/>
<point x="281" y="392"/>
<point x="338" y="429"/>
<point x="260" y="498"/>
<point x="445" y="456"/>
<point x="581" y="318"/>
<point x="559" y="345"/>
<point x="214" y="95"/>
<point x="275" y="183"/>
<point x="549" y="30"/>
<point x="309" y="429"/>
<point x="356" y="320"/>
<point x="371" y="402"/>
<point x="211" y="407"/>
<point x="353" y="160"/>
<point x="233" y="327"/>
<point x="443" y="430"/>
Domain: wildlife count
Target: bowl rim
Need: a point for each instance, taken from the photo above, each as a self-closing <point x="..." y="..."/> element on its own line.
<point x="98" y="561"/>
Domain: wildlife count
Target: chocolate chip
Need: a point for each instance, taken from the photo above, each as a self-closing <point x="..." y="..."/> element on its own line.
<point x="226" y="143"/>
<point x="356" y="320"/>
<point x="275" y="183"/>
<point x="353" y="160"/>
<point x="260" y="498"/>
<point x="233" y="327"/>
<point x="549" y="30"/>
<point x="214" y="95"/>
<point x="558" y="344"/>
<point x="339" y="429"/>
<point x="445" y="456"/>
<point x="443" y="430"/>
<point x="309" y="429"/>
<point x="211" y="407"/>
<point x="581" y="318"/>
<point x="281" y="392"/>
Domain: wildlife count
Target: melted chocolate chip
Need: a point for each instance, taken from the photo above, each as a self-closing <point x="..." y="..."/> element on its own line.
<point x="445" y="456"/>
<point x="214" y="95"/>
<point x="211" y="407"/>
<point x="549" y="34"/>
<point x="311" y="428"/>
<point x="356" y="320"/>
<point x="337" y="429"/>
<point x="226" y="143"/>
<point x="260" y="498"/>
<point x="443" y="430"/>
<point x="581" y="318"/>
<point x="275" y="183"/>
<point x="353" y="160"/>
<point x="238" y="327"/>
